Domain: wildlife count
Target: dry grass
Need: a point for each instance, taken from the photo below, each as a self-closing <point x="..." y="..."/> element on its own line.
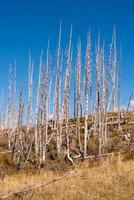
<point x="3" y="143"/>
<point x="110" y="180"/>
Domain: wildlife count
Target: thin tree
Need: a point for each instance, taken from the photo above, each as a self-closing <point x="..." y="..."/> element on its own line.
<point x="78" y="94"/>
<point x="15" y="99"/>
<point x="46" y="105"/>
<point x="30" y="90"/>
<point x="87" y="85"/>
<point x="57" y="96"/>
<point x="98" y="94"/>
<point x="37" y="117"/>
<point x="9" y="109"/>
<point x="66" y="99"/>
<point x="114" y="71"/>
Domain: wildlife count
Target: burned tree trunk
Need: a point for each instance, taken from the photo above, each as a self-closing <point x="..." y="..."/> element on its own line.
<point x="66" y="99"/>
<point x="9" y="109"/>
<point x="78" y="95"/>
<point x="57" y="98"/>
<point x="38" y="110"/>
<point x="87" y="85"/>
<point x="46" y="106"/>
<point x="30" y="90"/>
<point x="98" y="96"/>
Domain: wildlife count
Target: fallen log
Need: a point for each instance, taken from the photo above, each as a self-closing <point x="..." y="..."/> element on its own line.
<point x="26" y="190"/>
<point x="5" y="152"/>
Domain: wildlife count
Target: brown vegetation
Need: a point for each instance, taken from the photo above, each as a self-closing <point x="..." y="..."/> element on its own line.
<point x="110" y="179"/>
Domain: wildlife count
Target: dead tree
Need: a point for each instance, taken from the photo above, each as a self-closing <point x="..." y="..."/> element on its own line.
<point x="30" y="88"/>
<point x="15" y="100"/>
<point x="57" y="98"/>
<point x="15" y="130"/>
<point x="38" y="109"/>
<point x="104" y="103"/>
<point x="105" y="80"/>
<point x="113" y="64"/>
<point x="60" y="104"/>
<point x="42" y="107"/>
<point x="118" y="89"/>
<point x="1" y="111"/>
<point x="46" y="140"/>
<point x="87" y="85"/>
<point x="78" y="95"/>
<point x="74" y="93"/>
<point x="19" y="137"/>
<point x="98" y="96"/>
<point x="9" y="109"/>
<point x="66" y="99"/>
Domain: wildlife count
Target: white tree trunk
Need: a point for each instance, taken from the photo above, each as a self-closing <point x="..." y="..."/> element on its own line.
<point x="87" y="85"/>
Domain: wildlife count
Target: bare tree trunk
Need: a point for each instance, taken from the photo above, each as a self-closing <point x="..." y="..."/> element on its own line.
<point x="118" y="91"/>
<point x="98" y="95"/>
<point x="30" y="88"/>
<point x="19" y="144"/>
<point x="20" y="120"/>
<point x="78" y="94"/>
<point x="15" y="100"/>
<point x="104" y="100"/>
<point x="1" y="111"/>
<point x="67" y="95"/>
<point x="114" y="71"/>
<point x="87" y="85"/>
<point x="57" y="97"/>
<point x="9" y="111"/>
<point x="46" y="106"/>
<point x="75" y="95"/>
<point x="38" y="120"/>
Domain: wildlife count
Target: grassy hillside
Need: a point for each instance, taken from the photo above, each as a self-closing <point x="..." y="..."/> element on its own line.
<point x="110" y="179"/>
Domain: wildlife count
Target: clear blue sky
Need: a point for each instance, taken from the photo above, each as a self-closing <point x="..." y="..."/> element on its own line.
<point x="27" y="24"/>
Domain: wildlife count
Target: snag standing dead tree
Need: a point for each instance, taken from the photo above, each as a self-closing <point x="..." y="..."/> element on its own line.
<point x="9" y="109"/>
<point x="60" y="103"/>
<point x="37" y="117"/>
<point x="19" y="137"/>
<point x="57" y="98"/>
<point x="104" y="100"/>
<point x="42" y="107"/>
<point x="118" y="90"/>
<point x="46" y="106"/>
<point x="1" y="111"/>
<point x="15" y="100"/>
<point x="66" y="99"/>
<point x="78" y="94"/>
<point x="75" y="94"/>
<point x="98" y="96"/>
<point x="113" y="60"/>
<point x="14" y="114"/>
<point x="30" y="88"/>
<point x="87" y="85"/>
<point x="106" y="108"/>
<point x="102" y="94"/>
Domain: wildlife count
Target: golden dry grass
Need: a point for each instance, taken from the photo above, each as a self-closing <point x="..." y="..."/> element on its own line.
<point x="3" y="142"/>
<point x="110" y="180"/>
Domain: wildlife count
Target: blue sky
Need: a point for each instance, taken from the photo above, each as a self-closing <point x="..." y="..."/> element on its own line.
<point x="28" y="24"/>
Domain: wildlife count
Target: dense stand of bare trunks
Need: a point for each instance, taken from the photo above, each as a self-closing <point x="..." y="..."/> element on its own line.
<point x="34" y="135"/>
